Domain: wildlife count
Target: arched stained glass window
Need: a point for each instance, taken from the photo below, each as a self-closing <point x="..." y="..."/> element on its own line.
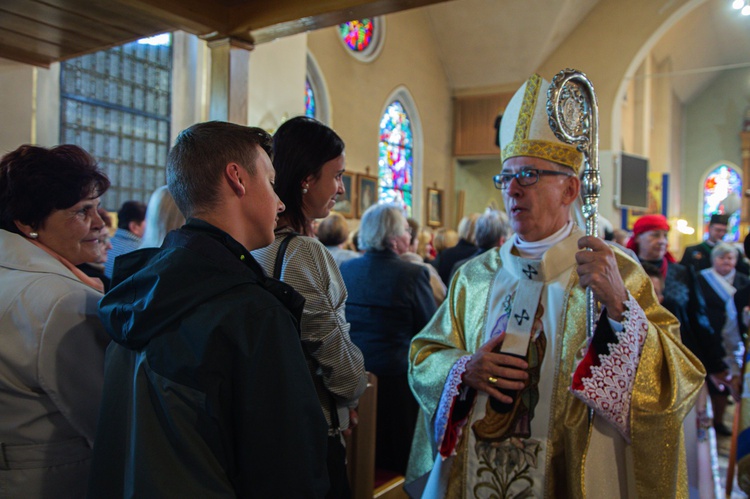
<point x="310" y="102"/>
<point x="395" y="159"/>
<point x="722" y="193"/>
<point x="316" y="92"/>
<point x="357" y="34"/>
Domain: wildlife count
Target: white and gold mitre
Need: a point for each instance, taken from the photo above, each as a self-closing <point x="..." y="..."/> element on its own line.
<point x="525" y="130"/>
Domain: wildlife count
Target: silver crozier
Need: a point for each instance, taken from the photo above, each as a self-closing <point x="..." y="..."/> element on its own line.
<point x="574" y="118"/>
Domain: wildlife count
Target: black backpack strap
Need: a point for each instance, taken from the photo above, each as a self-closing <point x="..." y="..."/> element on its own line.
<point x="280" y="255"/>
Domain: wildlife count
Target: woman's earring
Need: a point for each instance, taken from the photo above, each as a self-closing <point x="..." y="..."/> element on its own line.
<point x="33" y="235"/>
<point x="304" y="188"/>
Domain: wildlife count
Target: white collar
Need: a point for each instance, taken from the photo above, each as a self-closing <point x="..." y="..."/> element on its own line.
<point x="536" y="249"/>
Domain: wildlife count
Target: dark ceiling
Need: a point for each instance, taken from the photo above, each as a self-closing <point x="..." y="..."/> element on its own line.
<point x="41" y="32"/>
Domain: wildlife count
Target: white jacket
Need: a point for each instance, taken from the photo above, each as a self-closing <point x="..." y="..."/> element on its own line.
<point x="52" y="348"/>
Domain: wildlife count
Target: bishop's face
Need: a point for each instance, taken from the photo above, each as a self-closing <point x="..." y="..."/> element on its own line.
<point x="539" y="210"/>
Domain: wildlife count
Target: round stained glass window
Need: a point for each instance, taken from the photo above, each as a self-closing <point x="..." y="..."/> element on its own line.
<point x="362" y="37"/>
<point x="357" y="35"/>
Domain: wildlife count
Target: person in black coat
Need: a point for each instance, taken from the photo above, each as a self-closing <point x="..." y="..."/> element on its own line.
<point x="492" y="229"/>
<point x="699" y="255"/>
<point x="206" y="388"/>
<point x="682" y="295"/>
<point x="389" y="301"/>
<point x="719" y="284"/>
<point x="464" y="249"/>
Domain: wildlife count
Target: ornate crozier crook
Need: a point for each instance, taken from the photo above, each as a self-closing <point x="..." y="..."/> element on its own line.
<point x="574" y="118"/>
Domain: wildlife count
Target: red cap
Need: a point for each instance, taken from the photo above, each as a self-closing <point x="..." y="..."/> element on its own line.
<point x="645" y="224"/>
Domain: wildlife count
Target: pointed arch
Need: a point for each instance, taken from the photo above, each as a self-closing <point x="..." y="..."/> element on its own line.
<point x="317" y="89"/>
<point x="400" y="152"/>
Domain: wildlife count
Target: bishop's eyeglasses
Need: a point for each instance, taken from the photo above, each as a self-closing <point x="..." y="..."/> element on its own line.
<point x="525" y="178"/>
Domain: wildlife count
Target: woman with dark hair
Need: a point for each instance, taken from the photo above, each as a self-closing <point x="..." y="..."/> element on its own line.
<point x="96" y="268"/>
<point x="51" y="341"/>
<point x="309" y="162"/>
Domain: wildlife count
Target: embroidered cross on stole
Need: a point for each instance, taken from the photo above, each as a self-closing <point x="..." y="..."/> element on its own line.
<point x="518" y="315"/>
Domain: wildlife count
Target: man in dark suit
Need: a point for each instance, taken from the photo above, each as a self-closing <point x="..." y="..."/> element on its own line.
<point x="699" y="255"/>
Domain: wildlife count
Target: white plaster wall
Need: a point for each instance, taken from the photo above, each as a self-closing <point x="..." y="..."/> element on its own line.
<point x="277" y="81"/>
<point x="46" y="119"/>
<point x="190" y="85"/>
<point x="16" y="93"/>
<point x="712" y="135"/>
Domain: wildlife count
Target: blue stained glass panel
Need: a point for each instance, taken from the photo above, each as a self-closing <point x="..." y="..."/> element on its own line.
<point x="395" y="163"/>
<point x="310" y="103"/>
<point x="722" y="193"/>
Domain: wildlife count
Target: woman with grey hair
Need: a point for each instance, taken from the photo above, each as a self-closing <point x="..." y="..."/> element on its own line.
<point x="719" y="283"/>
<point x="389" y="301"/>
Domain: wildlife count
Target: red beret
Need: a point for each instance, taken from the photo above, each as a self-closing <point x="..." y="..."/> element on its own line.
<point x="645" y="224"/>
<point x="650" y="222"/>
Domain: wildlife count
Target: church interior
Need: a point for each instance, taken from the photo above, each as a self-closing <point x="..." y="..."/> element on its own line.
<point x="672" y="79"/>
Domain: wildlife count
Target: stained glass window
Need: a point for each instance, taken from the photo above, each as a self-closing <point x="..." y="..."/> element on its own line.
<point x="722" y="193"/>
<point x="116" y="104"/>
<point x="309" y="99"/>
<point x="357" y="34"/>
<point x="395" y="161"/>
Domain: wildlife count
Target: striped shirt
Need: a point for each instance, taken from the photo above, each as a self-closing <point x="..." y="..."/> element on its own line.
<point x="336" y="364"/>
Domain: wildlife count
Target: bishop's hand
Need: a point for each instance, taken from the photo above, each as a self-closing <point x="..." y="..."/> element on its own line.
<point x="490" y="371"/>
<point x="598" y="270"/>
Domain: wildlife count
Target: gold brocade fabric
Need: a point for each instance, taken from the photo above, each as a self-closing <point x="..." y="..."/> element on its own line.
<point x="667" y="382"/>
<point x="526" y="113"/>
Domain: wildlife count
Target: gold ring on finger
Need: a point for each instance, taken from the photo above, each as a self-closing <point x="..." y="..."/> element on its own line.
<point x="492" y="380"/>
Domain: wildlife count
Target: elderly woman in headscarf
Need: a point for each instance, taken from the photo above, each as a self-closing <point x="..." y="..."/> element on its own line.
<point x="51" y="340"/>
<point x="682" y="296"/>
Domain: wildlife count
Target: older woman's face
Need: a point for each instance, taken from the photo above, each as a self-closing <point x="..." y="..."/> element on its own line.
<point x="400" y="244"/>
<point x="73" y="233"/>
<point x="652" y="245"/>
<point x="725" y="264"/>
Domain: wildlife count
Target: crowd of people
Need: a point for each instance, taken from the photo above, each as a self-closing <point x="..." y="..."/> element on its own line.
<point x="218" y="341"/>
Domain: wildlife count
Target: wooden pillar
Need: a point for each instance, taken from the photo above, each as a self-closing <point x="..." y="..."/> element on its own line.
<point x="745" y="217"/>
<point x="230" y="63"/>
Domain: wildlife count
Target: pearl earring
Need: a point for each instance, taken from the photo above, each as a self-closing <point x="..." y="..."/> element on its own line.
<point x="304" y="188"/>
<point x="33" y="235"/>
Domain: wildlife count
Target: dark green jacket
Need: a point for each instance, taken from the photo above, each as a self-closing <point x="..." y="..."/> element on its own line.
<point x="206" y="391"/>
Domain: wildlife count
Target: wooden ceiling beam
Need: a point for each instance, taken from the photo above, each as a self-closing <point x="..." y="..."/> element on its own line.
<point x="269" y="21"/>
<point x="43" y="31"/>
<point x="113" y="13"/>
<point x="63" y="19"/>
<point x="52" y="34"/>
<point x="199" y="17"/>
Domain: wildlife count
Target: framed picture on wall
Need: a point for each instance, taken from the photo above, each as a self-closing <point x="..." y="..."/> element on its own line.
<point x="346" y="204"/>
<point x="434" y="207"/>
<point x="367" y="192"/>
